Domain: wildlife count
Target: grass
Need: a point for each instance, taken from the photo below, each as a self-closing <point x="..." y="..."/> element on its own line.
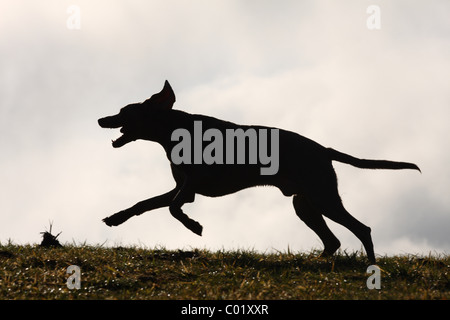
<point x="34" y="272"/>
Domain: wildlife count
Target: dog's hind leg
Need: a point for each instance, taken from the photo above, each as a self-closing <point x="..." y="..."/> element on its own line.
<point x="313" y="219"/>
<point x="339" y="214"/>
<point x="160" y="201"/>
<point x="325" y="197"/>
<point x="185" y="195"/>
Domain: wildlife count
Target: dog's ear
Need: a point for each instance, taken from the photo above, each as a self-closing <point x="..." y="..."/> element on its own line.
<point x="164" y="99"/>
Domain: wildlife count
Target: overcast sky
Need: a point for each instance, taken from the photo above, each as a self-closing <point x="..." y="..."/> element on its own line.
<point x="313" y="67"/>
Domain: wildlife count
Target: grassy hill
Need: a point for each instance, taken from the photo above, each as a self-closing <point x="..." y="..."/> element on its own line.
<point x="34" y="272"/>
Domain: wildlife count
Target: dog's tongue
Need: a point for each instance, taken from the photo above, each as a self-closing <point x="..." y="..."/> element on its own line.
<point x="122" y="140"/>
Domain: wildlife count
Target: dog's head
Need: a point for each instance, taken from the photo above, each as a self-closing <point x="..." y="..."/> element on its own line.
<point x="133" y="118"/>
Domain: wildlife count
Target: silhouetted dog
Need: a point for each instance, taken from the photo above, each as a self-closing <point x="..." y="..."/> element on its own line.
<point x="305" y="169"/>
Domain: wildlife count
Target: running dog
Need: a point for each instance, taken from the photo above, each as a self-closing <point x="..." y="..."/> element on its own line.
<point x="305" y="169"/>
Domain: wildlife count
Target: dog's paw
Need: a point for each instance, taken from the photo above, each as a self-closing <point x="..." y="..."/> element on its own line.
<point x="195" y="227"/>
<point x="109" y="221"/>
<point x="117" y="219"/>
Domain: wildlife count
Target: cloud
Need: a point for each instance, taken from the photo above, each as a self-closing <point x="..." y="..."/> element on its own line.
<point x="310" y="67"/>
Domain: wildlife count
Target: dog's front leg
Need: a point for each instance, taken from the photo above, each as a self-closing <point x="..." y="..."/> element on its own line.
<point x="160" y="201"/>
<point x="185" y="195"/>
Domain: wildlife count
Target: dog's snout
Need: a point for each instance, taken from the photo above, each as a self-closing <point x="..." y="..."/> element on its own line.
<point x="110" y="122"/>
<point x="101" y="122"/>
<point x="104" y="122"/>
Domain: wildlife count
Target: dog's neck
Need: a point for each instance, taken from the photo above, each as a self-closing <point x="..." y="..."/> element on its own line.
<point x="167" y="123"/>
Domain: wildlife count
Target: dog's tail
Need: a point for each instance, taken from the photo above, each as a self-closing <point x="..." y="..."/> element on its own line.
<point x="369" y="164"/>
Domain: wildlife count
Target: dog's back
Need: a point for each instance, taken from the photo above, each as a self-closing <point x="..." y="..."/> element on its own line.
<point x="297" y="157"/>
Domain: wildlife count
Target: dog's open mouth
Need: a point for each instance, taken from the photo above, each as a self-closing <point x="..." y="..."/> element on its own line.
<point x="114" y="122"/>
